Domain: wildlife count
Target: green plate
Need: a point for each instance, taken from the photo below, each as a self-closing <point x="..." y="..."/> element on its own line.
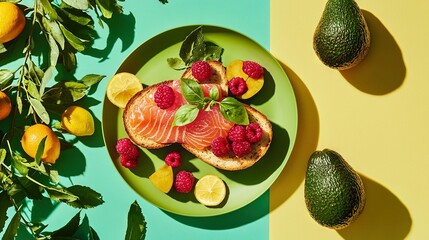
<point x="276" y="100"/>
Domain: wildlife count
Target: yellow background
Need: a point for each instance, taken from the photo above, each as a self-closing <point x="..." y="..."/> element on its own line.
<point x="375" y="115"/>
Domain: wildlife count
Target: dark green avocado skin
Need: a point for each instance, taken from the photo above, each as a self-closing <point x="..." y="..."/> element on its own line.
<point x="333" y="191"/>
<point x="342" y="37"/>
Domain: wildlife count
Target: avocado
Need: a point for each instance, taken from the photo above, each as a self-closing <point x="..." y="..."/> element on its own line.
<point x="333" y="191"/>
<point x="342" y="37"/>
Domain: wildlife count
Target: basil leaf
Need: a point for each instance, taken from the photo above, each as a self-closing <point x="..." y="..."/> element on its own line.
<point x="136" y="227"/>
<point x="6" y="77"/>
<point x="185" y="114"/>
<point x="176" y="63"/>
<point x="213" y="52"/>
<point x="192" y="45"/>
<point x="233" y="111"/>
<point x="214" y="93"/>
<point x="191" y="91"/>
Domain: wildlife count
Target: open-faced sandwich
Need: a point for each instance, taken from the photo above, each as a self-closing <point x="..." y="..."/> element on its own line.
<point x="197" y="113"/>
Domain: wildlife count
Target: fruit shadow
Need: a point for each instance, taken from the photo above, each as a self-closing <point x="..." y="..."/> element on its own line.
<point x="71" y="163"/>
<point x="384" y="216"/>
<point x="305" y="143"/>
<point x="383" y="69"/>
<point x="267" y="92"/>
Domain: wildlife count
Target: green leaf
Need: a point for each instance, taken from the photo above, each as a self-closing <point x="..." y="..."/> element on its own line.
<point x="40" y="149"/>
<point x="185" y="114"/>
<point x="213" y="52"/>
<point x="6" y="77"/>
<point x="12" y="229"/>
<point x="65" y="92"/>
<point x="214" y="93"/>
<point x="31" y="189"/>
<point x="47" y="8"/>
<point x="234" y="111"/>
<point x="78" y="4"/>
<point x="87" y="198"/>
<point x="3" y="154"/>
<point x="32" y="90"/>
<point x="193" y="46"/>
<point x="53" y="28"/>
<point x="69" y="229"/>
<point x="93" y="234"/>
<point x="61" y="195"/>
<point x="18" y="163"/>
<point x="3" y="49"/>
<point x="68" y="57"/>
<point x="53" y="173"/>
<point x="5" y="203"/>
<point x="39" y="109"/>
<point x="36" y="74"/>
<point x="191" y="91"/>
<point x="77" y="43"/>
<point x="176" y="63"/>
<point x="108" y="7"/>
<point x="136" y="227"/>
<point x="91" y="79"/>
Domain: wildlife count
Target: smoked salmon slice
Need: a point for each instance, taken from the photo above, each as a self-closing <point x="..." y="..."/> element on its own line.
<point x="148" y="120"/>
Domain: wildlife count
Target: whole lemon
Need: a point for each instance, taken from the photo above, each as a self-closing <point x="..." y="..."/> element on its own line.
<point x="31" y="139"/>
<point x="77" y="121"/>
<point x="12" y="21"/>
<point x="5" y="105"/>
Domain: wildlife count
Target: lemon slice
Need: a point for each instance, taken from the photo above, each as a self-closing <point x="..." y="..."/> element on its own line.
<point x="210" y="190"/>
<point x="122" y="86"/>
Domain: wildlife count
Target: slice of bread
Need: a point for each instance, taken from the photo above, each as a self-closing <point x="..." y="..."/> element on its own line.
<point x="231" y="162"/>
<point x="218" y="76"/>
<point x="134" y="102"/>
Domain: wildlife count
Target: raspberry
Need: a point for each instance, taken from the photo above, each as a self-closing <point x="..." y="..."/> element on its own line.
<point x="201" y="70"/>
<point x="237" y="133"/>
<point x="123" y="144"/>
<point x="253" y="69"/>
<point x="173" y="159"/>
<point x="125" y="147"/>
<point x="220" y="147"/>
<point x="128" y="152"/>
<point x="253" y="132"/>
<point x="241" y="148"/>
<point x="184" y="181"/>
<point x="164" y="96"/>
<point x="128" y="162"/>
<point x="237" y="86"/>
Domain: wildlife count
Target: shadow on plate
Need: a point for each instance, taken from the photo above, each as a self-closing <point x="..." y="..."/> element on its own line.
<point x="305" y="144"/>
<point x="383" y="69"/>
<point x="245" y="215"/>
<point x="384" y="216"/>
<point x="267" y="91"/>
<point x="268" y="164"/>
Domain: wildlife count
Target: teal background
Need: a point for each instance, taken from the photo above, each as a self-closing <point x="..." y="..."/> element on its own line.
<point x="88" y="162"/>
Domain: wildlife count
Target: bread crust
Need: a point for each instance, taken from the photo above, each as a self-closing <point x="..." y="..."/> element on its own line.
<point x="218" y="76"/>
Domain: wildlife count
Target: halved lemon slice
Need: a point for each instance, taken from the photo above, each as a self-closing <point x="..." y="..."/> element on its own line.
<point x="210" y="190"/>
<point x="122" y="86"/>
